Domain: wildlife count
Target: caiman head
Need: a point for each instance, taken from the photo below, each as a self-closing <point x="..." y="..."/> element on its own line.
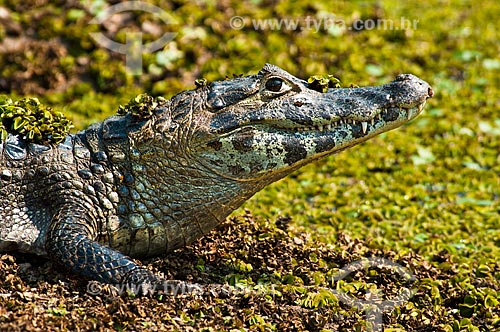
<point x="264" y="126"/>
<point x="218" y="145"/>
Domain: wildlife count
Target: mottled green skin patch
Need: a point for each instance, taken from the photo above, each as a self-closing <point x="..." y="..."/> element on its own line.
<point x="34" y="121"/>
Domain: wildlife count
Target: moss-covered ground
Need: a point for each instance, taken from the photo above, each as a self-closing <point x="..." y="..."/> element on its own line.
<point x="424" y="197"/>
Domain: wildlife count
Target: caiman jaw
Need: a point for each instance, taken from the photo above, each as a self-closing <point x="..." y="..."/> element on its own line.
<point x="388" y="118"/>
<point x="365" y="125"/>
<point x="284" y="148"/>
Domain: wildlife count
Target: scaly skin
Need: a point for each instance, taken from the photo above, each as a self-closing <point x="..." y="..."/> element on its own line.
<point x="142" y="187"/>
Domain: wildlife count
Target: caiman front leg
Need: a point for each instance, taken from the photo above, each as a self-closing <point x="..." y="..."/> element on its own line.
<point x="71" y="242"/>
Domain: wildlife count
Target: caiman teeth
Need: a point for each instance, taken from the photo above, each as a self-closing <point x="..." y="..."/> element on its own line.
<point x="364" y="126"/>
<point x="352" y="122"/>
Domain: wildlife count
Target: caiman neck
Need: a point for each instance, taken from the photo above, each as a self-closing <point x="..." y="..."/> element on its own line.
<point x="185" y="197"/>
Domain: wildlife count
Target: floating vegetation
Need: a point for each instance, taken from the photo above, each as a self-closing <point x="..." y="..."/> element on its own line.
<point x="201" y="82"/>
<point x="141" y="106"/>
<point x="34" y="121"/>
<point x="322" y="83"/>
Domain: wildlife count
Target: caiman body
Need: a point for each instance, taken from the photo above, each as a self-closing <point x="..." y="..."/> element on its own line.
<point x="139" y="187"/>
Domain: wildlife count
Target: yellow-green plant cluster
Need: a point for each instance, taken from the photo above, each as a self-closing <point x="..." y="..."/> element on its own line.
<point x="322" y="83"/>
<point x="34" y="121"/>
<point x="141" y="106"/>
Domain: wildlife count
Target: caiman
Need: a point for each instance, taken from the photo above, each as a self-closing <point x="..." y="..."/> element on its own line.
<point x="134" y="186"/>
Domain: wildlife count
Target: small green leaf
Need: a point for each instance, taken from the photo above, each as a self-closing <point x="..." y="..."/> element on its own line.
<point x="424" y="156"/>
<point x="201" y="82"/>
<point x="18" y="123"/>
<point x="3" y="134"/>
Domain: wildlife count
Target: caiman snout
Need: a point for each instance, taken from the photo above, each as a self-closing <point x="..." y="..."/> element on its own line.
<point x="415" y="81"/>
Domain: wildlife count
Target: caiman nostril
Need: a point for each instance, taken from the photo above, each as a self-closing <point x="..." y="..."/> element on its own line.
<point x="430" y="93"/>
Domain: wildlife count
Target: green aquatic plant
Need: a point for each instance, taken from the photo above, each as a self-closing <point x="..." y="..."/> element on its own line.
<point x="36" y="122"/>
<point x="322" y="83"/>
<point x="201" y="82"/>
<point x="141" y="106"/>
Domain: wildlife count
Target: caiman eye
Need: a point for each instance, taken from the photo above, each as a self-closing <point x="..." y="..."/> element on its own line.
<point x="275" y="87"/>
<point x="274" y="84"/>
